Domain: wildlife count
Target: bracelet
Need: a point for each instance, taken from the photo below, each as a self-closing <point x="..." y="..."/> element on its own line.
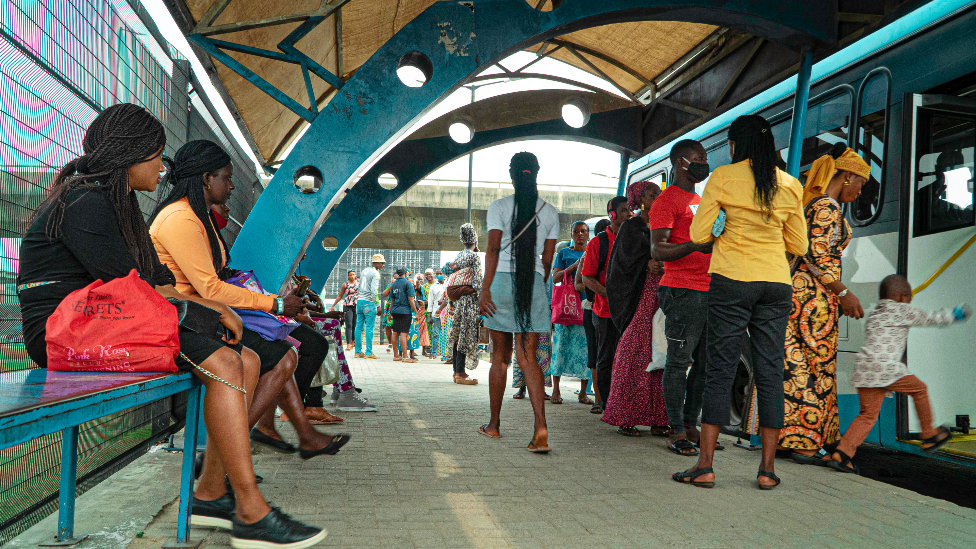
<point x="279" y="306"/>
<point x="842" y="294"/>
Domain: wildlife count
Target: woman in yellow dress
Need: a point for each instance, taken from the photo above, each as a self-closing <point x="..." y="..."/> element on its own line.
<point x="819" y="298"/>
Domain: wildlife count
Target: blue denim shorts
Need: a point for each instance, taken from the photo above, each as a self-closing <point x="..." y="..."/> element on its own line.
<point x="503" y="295"/>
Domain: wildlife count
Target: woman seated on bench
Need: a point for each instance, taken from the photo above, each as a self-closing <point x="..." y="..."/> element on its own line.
<point x="90" y="227"/>
<point x="183" y="232"/>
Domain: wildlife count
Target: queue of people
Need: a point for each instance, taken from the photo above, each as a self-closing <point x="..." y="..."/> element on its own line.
<point x="715" y="264"/>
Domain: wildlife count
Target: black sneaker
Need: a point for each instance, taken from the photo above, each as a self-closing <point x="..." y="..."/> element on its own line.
<point x="218" y="513"/>
<point x="275" y="530"/>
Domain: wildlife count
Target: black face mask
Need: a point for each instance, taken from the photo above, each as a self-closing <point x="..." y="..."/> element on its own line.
<point x="698" y="171"/>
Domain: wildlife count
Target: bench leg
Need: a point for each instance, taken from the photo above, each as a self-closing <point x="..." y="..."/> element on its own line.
<point x="66" y="496"/>
<point x="193" y="409"/>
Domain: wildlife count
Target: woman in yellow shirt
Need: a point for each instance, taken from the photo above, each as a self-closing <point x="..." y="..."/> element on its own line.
<point x="750" y="286"/>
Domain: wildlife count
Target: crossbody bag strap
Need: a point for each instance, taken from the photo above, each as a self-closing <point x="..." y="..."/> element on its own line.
<point x="525" y="228"/>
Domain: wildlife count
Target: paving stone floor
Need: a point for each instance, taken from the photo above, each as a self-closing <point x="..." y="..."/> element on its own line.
<point x="418" y="474"/>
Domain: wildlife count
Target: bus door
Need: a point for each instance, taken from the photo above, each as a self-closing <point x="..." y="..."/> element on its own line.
<point x="941" y="130"/>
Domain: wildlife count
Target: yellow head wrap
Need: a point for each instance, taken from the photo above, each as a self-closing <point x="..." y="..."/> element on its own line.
<point x="824" y="168"/>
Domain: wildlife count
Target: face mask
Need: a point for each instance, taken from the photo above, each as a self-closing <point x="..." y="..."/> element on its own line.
<point x="697" y="170"/>
<point x="440" y="278"/>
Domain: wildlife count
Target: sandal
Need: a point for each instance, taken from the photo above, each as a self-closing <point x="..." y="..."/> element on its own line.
<point x="538" y="449"/>
<point x="660" y="431"/>
<point x="935" y="441"/>
<point x="556" y="400"/>
<point x="683" y="447"/>
<point x="816" y="459"/>
<point x="770" y="476"/>
<point x="844" y="465"/>
<point x="585" y="400"/>
<point x="628" y="431"/>
<point x="596" y="408"/>
<point x="484" y="430"/>
<point x="688" y="477"/>
<point x="518" y="396"/>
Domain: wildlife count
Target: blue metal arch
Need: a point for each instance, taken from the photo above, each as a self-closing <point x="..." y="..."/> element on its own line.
<point x="414" y="159"/>
<point x="460" y="38"/>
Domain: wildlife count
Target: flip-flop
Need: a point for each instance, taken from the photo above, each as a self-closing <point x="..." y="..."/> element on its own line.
<point x="518" y="396"/>
<point x="688" y="477"/>
<point x="679" y="447"/>
<point x="660" y="431"/>
<point x="556" y="400"/>
<point x="935" y="441"/>
<point x="261" y="438"/>
<point x="815" y="459"/>
<point x="538" y="449"/>
<point x="484" y="430"/>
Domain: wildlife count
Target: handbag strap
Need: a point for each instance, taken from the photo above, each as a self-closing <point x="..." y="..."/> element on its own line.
<point x="525" y="228"/>
<point x="211" y="375"/>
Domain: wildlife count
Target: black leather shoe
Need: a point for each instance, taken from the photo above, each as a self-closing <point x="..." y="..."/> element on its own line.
<point x="218" y="513"/>
<point x="261" y="438"/>
<point x="276" y="529"/>
<point x="338" y="441"/>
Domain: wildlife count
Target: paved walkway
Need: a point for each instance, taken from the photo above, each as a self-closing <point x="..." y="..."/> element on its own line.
<point x="417" y="474"/>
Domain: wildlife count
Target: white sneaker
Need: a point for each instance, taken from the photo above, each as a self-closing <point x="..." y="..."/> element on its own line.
<point x="352" y="401"/>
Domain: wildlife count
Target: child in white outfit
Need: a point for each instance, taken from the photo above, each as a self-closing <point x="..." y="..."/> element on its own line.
<point x="880" y="366"/>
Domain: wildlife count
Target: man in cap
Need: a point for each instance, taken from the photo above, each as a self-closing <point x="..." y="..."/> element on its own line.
<point x="369" y="286"/>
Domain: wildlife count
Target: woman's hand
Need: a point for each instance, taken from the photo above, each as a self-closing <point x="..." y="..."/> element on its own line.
<point x="293" y="305"/>
<point x="656" y="267"/>
<point x="231" y="320"/>
<point x="851" y="305"/>
<point x="485" y="304"/>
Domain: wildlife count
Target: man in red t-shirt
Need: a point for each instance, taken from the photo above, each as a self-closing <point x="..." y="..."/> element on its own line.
<point x="595" y="278"/>
<point x="683" y="293"/>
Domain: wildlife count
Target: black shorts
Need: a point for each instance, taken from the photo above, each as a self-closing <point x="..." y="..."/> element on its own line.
<point x="198" y="347"/>
<point x="270" y="352"/>
<point x="401" y="323"/>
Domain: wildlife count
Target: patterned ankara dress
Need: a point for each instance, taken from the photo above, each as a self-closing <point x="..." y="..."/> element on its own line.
<point x="464" y="324"/>
<point x="810" y="374"/>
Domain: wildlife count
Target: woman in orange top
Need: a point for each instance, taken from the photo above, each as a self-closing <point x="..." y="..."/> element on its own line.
<point x="187" y="241"/>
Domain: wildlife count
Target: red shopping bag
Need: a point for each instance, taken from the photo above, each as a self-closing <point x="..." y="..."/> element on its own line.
<point x="122" y="326"/>
<point x="566" y="307"/>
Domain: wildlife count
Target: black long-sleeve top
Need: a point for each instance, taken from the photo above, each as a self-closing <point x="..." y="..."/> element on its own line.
<point x="89" y="247"/>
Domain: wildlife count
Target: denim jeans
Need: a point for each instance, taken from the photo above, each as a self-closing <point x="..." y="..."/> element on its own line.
<point x="350" y="313"/>
<point x="733" y="307"/>
<point x="684" y="325"/>
<point x="365" y="321"/>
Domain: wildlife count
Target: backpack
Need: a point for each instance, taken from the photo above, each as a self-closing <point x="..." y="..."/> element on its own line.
<point x="604" y="251"/>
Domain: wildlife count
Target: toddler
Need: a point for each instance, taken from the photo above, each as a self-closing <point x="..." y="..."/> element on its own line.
<point x="880" y="366"/>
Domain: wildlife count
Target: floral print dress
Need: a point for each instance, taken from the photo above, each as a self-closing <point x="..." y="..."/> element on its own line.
<point x="464" y="324"/>
<point x="810" y="370"/>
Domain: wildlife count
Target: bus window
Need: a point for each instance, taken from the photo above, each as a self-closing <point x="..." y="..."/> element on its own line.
<point x="870" y="143"/>
<point x="944" y="171"/>
<point x="828" y="122"/>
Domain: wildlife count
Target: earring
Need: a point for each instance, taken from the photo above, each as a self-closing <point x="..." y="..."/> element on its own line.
<point x="846" y="183"/>
<point x="207" y="186"/>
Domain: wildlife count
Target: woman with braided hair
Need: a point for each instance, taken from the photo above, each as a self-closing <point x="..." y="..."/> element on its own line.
<point x="749" y="288"/>
<point x="522" y="232"/>
<point x="185" y="236"/>
<point x="90" y="228"/>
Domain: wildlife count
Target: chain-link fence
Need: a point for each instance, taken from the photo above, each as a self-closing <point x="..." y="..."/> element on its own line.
<point x="62" y="62"/>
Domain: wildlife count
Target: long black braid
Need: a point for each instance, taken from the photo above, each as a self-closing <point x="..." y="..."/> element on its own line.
<point x="753" y="140"/>
<point x="120" y="136"/>
<point x="191" y="162"/>
<point x="524" y="168"/>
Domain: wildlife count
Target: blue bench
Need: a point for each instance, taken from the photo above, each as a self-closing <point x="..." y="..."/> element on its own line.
<point x="35" y="403"/>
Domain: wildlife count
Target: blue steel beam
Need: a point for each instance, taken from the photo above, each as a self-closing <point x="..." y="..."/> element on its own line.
<point x="800" y="101"/>
<point x="414" y="159"/>
<point x="459" y="39"/>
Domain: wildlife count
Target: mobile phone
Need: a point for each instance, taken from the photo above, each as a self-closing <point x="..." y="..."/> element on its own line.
<point x="719" y="226"/>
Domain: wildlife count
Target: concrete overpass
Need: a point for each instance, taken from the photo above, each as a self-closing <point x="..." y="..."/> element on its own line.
<point x="427" y="217"/>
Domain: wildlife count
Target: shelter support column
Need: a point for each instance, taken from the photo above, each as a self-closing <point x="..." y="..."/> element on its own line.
<point x="622" y="180"/>
<point x="800" y="101"/>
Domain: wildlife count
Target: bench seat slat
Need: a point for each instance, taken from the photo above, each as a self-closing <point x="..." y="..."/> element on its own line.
<point x="43" y="402"/>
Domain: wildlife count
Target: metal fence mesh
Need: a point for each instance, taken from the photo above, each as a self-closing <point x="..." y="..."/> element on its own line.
<point x="61" y="62"/>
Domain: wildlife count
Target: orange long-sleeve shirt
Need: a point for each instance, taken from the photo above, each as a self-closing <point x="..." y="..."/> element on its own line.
<point x="182" y="244"/>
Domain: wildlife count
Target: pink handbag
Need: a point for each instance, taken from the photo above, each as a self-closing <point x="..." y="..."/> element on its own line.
<point x="566" y="307"/>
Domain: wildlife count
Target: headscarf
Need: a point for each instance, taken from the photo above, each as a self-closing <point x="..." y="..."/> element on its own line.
<point x="469" y="236"/>
<point x="824" y="168"/>
<point x="635" y="191"/>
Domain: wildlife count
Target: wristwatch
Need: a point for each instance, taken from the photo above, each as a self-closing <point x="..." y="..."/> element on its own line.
<point x="842" y="294"/>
